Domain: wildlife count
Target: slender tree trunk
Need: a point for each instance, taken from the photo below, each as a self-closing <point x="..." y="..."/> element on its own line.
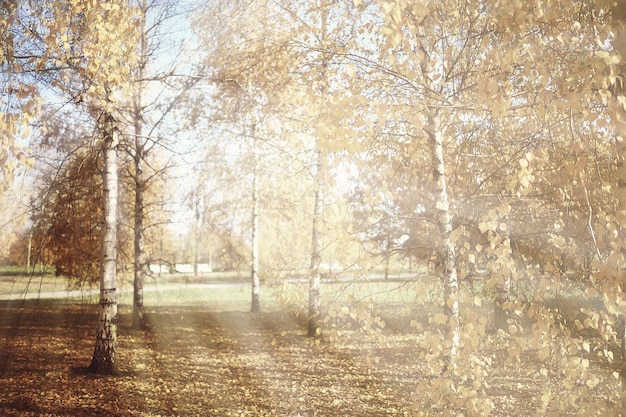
<point x="196" y="244"/>
<point x="140" y="185"/>
<point x="138" y="217"/>
<point x="28" y="256"/>
<point x="447" y="249"/>
<point x="255" y="282"/>
<point x="104" y="356"/>
<point x="316" y="257"/>
<point x="138" y="241"/>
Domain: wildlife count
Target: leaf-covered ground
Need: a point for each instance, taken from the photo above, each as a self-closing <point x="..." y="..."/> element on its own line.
<point x="192" y="361"/>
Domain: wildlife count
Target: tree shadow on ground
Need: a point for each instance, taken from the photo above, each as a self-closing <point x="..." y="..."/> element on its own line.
<point x="192" y="361"/>
<point x="188" y="361"/>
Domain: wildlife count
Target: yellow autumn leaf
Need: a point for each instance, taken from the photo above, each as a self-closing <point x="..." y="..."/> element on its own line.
<point x="592" y="383"/>
<point x="523" y="163"/>
<point x="439" y="319"/>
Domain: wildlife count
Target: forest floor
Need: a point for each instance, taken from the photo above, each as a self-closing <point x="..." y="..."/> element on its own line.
<point x="213" y="358"/>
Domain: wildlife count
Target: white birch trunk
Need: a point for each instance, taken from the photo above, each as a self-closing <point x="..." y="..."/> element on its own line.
<point x="198" y="227"/>
<point x="314" y="275"/>
<point x="104" y="357"/>
<point x="447" y="250"/>
<point x="255" y="281"/>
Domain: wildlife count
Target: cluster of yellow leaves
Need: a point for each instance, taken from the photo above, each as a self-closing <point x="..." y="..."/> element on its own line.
<point x="394" y="14"/>
<point x="108" y="44"/>
<point x="90" y="42"/>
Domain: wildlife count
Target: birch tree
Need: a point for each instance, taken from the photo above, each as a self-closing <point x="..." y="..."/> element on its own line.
<point x="255" y="282"/>
<point x="314" y="313"/>
<point x="437" y="57"/>
<point x="245" y="74"/>
<point x="83" y="49"/>
<point x="516" y="73"/>
<point x="104" y="355"/>
<point x="317" y="83"/>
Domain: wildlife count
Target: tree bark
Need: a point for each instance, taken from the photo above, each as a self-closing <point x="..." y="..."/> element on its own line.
<point x="28" y="255"/>
<point x="255" y="282"/>
<point x="138" y="243"/>
<point x="314" y="275"/>
<point x="140" y="185"/>
<point x="198" y="227"/>
<point x="447" y="248"/>
<point x="104" y="356"/>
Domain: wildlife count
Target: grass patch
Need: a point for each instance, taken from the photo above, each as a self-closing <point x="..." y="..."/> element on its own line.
<point x="20" y="270"/>
<point x="23" y="284"/>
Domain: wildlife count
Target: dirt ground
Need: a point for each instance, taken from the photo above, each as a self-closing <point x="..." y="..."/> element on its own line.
<point x="194" y="362"/>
